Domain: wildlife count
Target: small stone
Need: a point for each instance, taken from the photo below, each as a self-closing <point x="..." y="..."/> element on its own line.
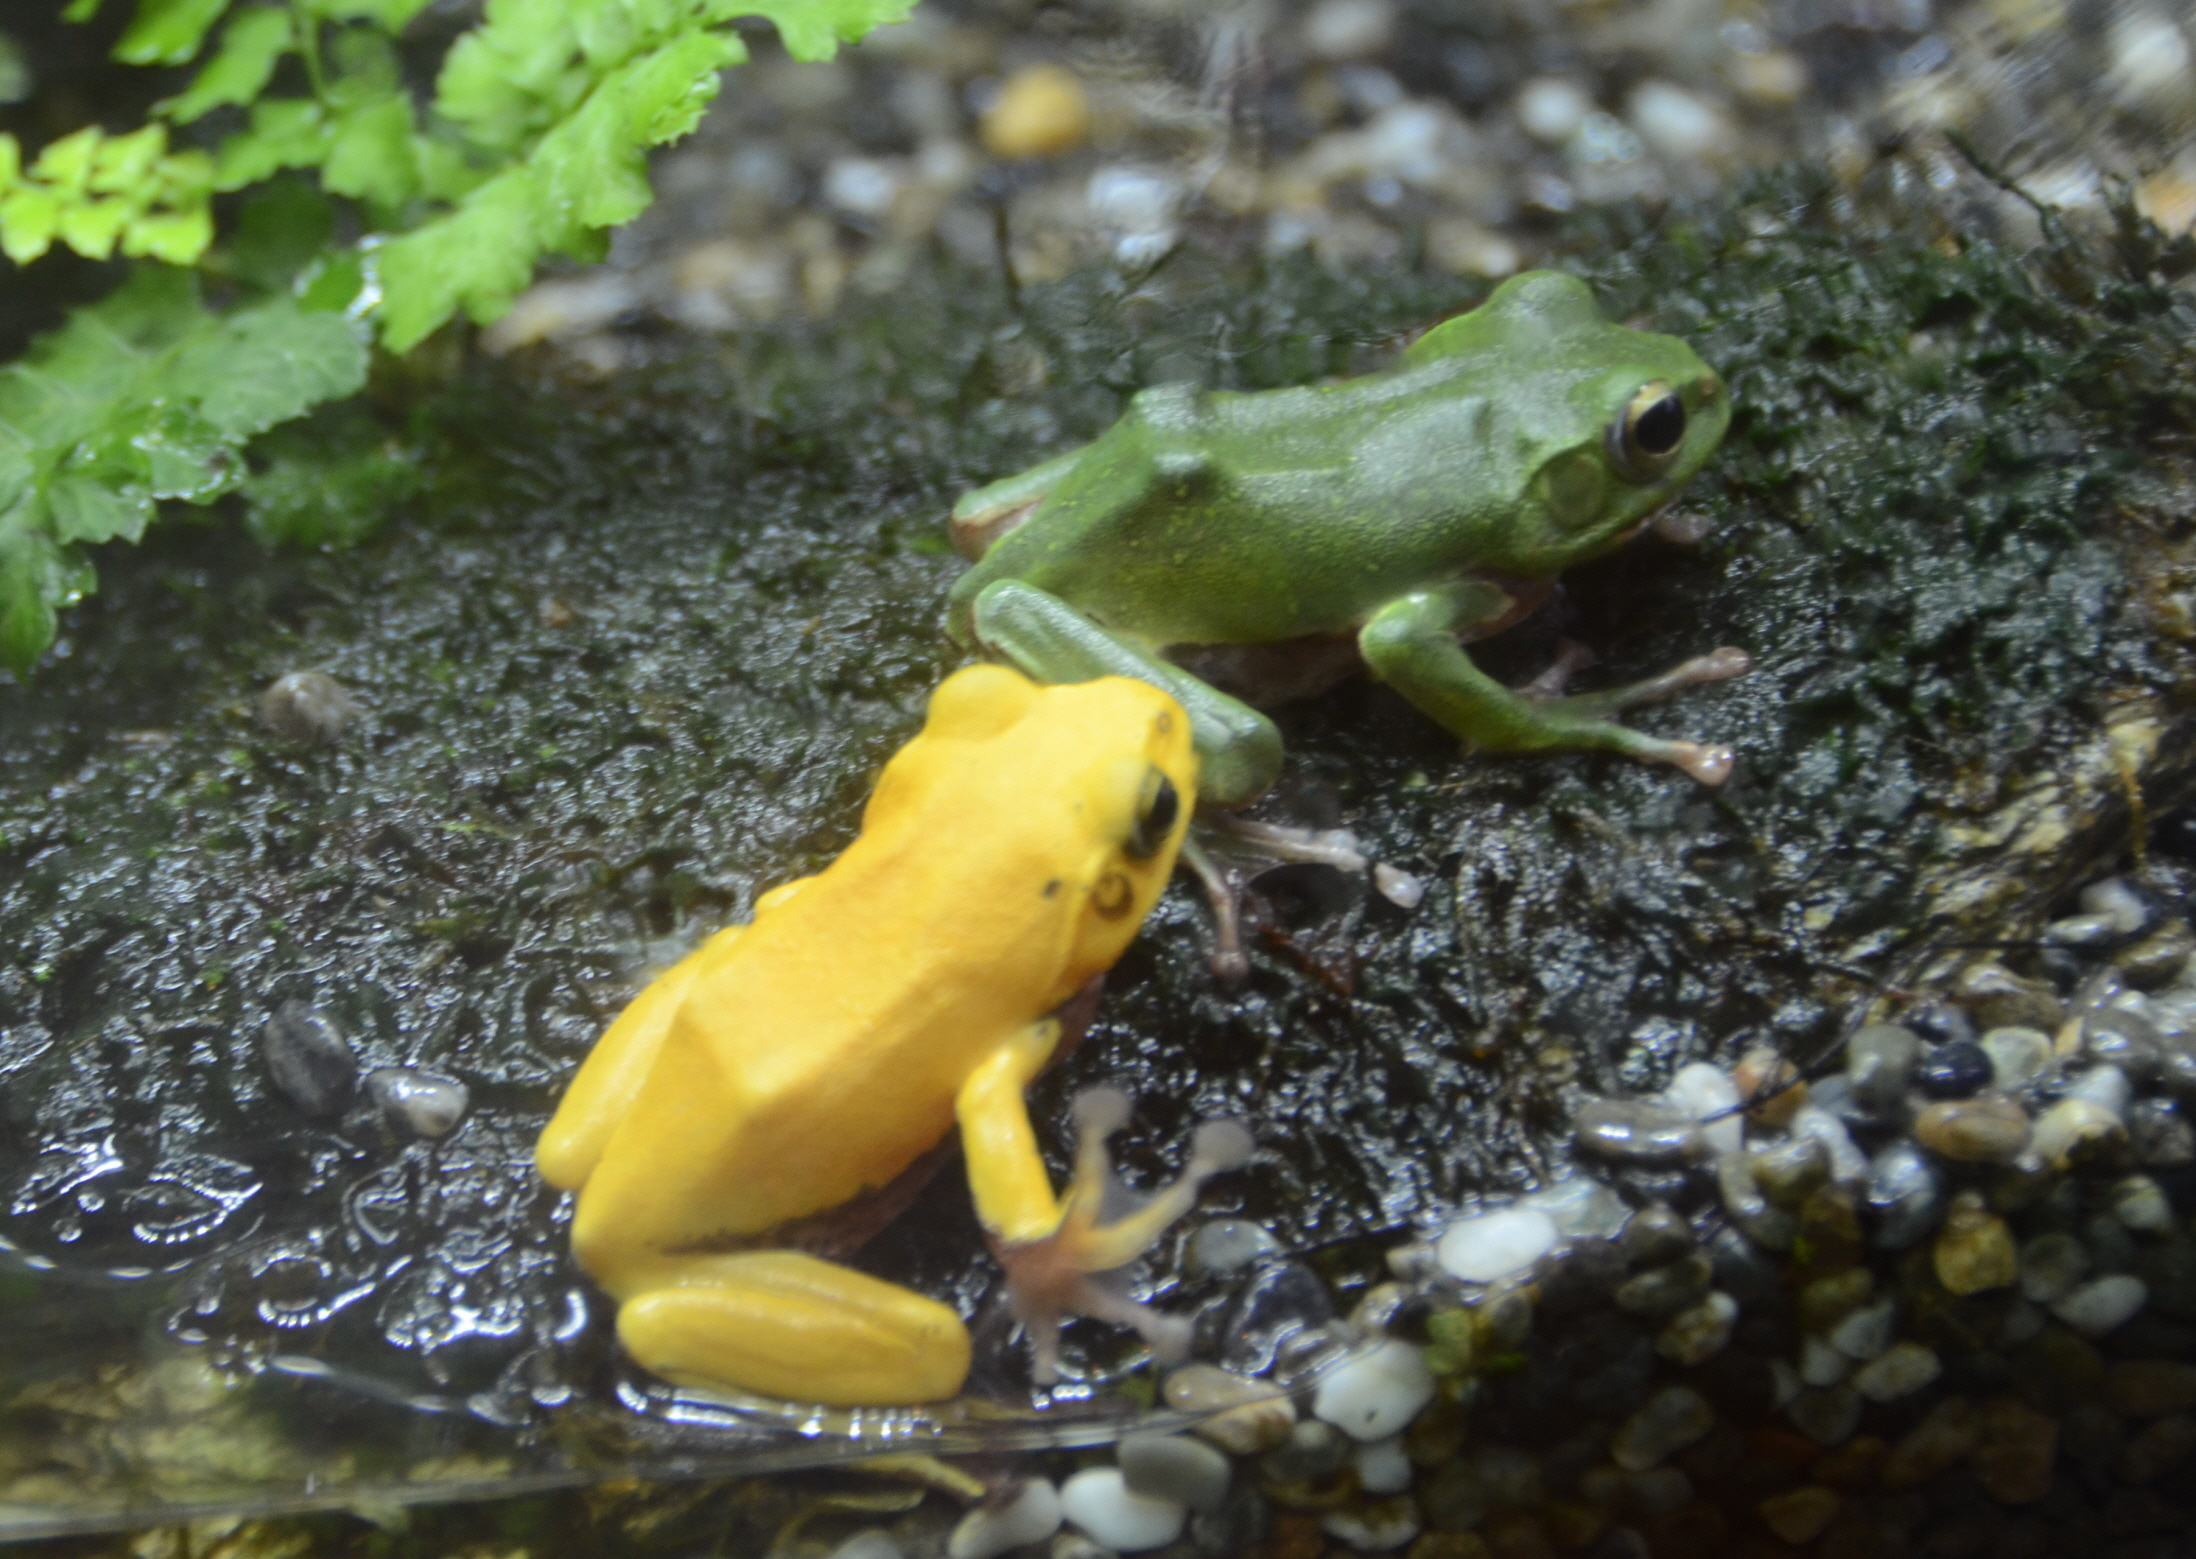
<point x="1041" y="111"/>
<point x="418" y="1102"/>
<point x="1802" y="1515"/>
<point x="1228" y="1245"/>
<point x="1375" y="1526"/>
<point x="1174" y="1467"/>
<point x="2016" y="1054"/>
<point x="1879" y="1063"/>
<point x="2157" y="1449"/>
<point x="1826" y="1415"/>
<point x="2107" y="1087"/>
<point x="307" y="706"/>
<point x="1705" y="1091"/>
<point x="1349" y="29"/>
<point x="1848" y="1164"/>
<point x="2159" y="1135"/>
<point x="1491" y="1246"/>
<point x="2118" y="1038"/>
<point x="1655" y="1236"/>
<point x="2078" y="1131"/>
<point x="2140" y="1204"/>
<point x="1954" y="1071"/>
<point x="1790" y="1171"/>
<point x="2022" y="1324"/>
<point x="1867" y="1331"/>
<point x="1999" y="998"/>
<point x="1682" y="126"/>
<point x="1312" y="1453"/>
<point x="1375" y="1393"/>
<point x="1581" y="1209"/>
<point x="1821" y="1363"/>
<point x="2150" y="1388"/>
<point x="1989" y="1130"/>
<point x="1975" y="1250"/>
<point x="1665" y="1290"/>
<point x="1946" y="1436"/>
<point x="1382" y="1466"/>
<point x="870" y="1543"/>
<point x="1772" y="1228"/>
<point x="1019" y="1514"/>
<point x="308" y="1058"/>
<point x="1099" y="1500"/>
<point x="1639" y="1131"/>
<point x="2014" y="1453"/>
<point x="2050" y="1266"/>
<point x="2102" y="1304"/>
<point x="1830" y="1228"/>
<point x="1551" y="108"/>
<point x="2117" y="901"/>
<point x="1823" y="1302"/>
<point x="1771" y="1086"/>
<point x="1249" y="1416"/>
<point x="1673" y="1418"/>
<point x="1904" y="1369"/>
<point x="2158" y="958"/>
<point x="1906" y="1193"/>
<point x="1699" y="1332"/>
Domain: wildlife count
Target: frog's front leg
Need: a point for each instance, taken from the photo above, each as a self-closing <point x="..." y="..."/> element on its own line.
<point x="789" y="1325"/>
<point x="1238" y="749"/>
<point x="1056" y="1253"/>
<point x="983" y="516"/>
<point x="1411" y="645"/>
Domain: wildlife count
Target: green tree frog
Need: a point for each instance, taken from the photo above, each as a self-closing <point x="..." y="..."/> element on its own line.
<point x="1395" y="515"/>
<point x="770" y="1099"/>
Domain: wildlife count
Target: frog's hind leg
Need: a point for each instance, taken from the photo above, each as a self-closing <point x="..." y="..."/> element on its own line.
<point x="787" y="1325"/>
<point x="1067" y="1272"/>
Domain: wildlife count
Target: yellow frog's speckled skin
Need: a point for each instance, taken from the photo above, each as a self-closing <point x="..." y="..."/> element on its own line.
<point x="789" y="1066"/>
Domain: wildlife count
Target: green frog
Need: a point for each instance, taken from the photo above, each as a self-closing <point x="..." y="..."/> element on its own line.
<point x="1269" y="541"/>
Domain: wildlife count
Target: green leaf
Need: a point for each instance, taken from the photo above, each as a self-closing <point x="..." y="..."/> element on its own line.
<point x="332" y="283"/>
<point x="91" y="227"/>
<point x="167" y="32"/>
<point x="67" y="163"/>
<point x="814" y="29"/>
<point x="370" y="156"/>
<point x="80" y="10"/>
<point x="251" y="46"/>
<point x="286" y="132"/>
<point x="120" y="163"/>
<point x="478" y="258"/>
<point x="391" y="14"/>
<point x="280" y="229"/>
<point x="35" y="578"/>
<point x="29" y="219"/>
<point x="269" y="363"/>
<point x="89" y="510"/>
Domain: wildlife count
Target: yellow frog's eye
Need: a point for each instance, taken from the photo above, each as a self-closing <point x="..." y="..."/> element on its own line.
<point x="1156" y="810"/>
<point x="1648" y="431"/>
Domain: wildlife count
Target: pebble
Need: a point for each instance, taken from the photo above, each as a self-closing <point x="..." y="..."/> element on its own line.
<point x="1705" y="1092"/>
<point x="1826" y="1415"/>
<point x="1023" y="1513"/>
<point x="307" y="706"/>
<point x="2014" y="1452"/>
<point x="1879" y="1063"/>
<point x="1348" y="29"/>
<point x="1248" y="1416"/>
<point x="1944" y="1438"/>
<point x="2159" y="1135"/>
<point x="1375" y="1526"/>
<point x="1801" y="1516"/>
<point x="870" y="1543"/>
<point x="1988" y="1130"/>
<point x="1673" y="1418"/>
<point x="1790" y="1170"/>
<point x="1821" y="1362"/>
<point x="1867" y="1331"/>
<point x="1848" y="1164"/>
<point x="1041" y="111"/>
<point x="2150" y="1388"/>
<point x="1999" y="998"/>
<point x="1582" y="1209"/>
<point x="1099" y="1500"/>
<point x="2125" y="1040"/>
<point x="2157" y="1449"/>
<point x="2102" y="1304"/>
<point x="1957" y="1070"/>
<point x="1826" y="1300"/>
<point x="2159" y="957"/>
<point x="2050" y="1265"/>
<point x="1491" y="1246"/>
<point x="419" y="1102"/>
<point x="308" y="1058"/>
<point x="1771" y="1086"/>
<point x="1665" y="1290"/>
<point x="2077" y="1131"/>
<point x="1904" y="1369"/>
<point x="1906" y="1193"/>
<point x="1312" y="1453"/>
<point x="1550" y="109"/>
<point x="1681" y="125"/>
<point x="1638" y="1130"/>
<point x="2107" y="1087"/>
<point x="1383" y="1466"/>
<point x="1655" y="1235"/>
<point x="1975" y="1250"/>
<point x="1772" y="1228"/>
<point x="1699" y="1332"/>
<point x="1372" y="1395"/>
<point x="2140" y="1204"/>
<point x="1174" y="1467"/>
<point x="2016" y="1054"/>
<point x="1228" y="1245"/>
<point x="2116" y="900"/>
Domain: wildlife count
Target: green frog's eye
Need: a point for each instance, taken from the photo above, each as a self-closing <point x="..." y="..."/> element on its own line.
<point x="1156" y="811"/>
<point x="1648" y="433"/>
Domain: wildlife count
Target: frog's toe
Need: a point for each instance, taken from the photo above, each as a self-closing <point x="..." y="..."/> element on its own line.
<point x="1709" y="763"/>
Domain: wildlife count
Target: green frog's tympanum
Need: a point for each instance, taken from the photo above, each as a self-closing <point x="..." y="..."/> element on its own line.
<point x="788" y="1086"/>
<point x="1406" y="511"/>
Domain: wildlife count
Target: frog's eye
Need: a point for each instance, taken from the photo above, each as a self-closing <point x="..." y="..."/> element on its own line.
<point x="1156" y="811"/>
<point x="1648" y="432"/>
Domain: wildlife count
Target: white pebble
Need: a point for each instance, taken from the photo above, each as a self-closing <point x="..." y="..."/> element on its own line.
<point x="1372" y="1395"/>
<point x="870" y="1543"/>
<point x="2106" y="1087"/>
<point x="1098" y="1500"/>
<point x="1680" y="126"/>
<point x="1491" y="1246"/>
<point x="1904" y="1369"/>
<point x="864" y="186"/>
<point x="1348" y="29"/>
<point x="1866" y="1332"/>
<point x="1029" y="1514"/>
<point x="1699" y="1332"/>
<point x="1133" y="199"/>
<point x="2051" y="1264"/>
<point x="2112" y="897"/>
<point x="1582" y="1209"/>
<point x="1705" y="1091"/>
<point x="1551" y="108"/>
<point x="2139" y="1202"/>
<point x="1848" y="1164"/>
<point x="1176" y="1468"/>
<point x="423" y="1104"/>
<point x="1228" y="1245"/>
<point x="1820" y="1363"/>
<point x="2016" y="1054"/>
<point x="2102" y="1303"/>
<point x="1382" y="1466"/>
<point x="1397" y="886"/>
<point x="2150" y="62"/>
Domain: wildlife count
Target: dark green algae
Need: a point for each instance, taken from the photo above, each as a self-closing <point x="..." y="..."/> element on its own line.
<point x="636" y="652"/>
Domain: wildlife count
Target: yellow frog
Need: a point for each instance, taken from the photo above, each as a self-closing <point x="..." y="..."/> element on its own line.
<point x="791" y="1079"/>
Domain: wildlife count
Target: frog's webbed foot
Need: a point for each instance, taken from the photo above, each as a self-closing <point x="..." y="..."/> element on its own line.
<point x="1073" y="1270"/>
<point x="1708" y="763"/>
<point x="1241" y="847"/>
